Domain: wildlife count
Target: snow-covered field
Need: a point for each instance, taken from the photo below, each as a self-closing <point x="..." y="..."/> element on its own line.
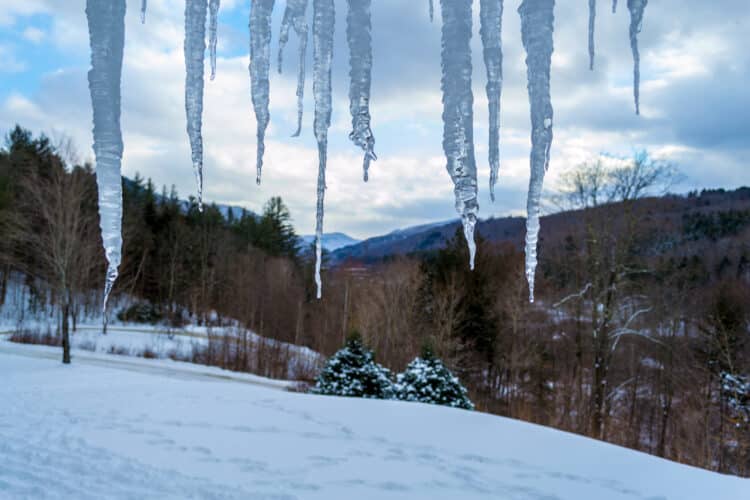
<point x="147" y="340"/>
<point x="96" y="429"/>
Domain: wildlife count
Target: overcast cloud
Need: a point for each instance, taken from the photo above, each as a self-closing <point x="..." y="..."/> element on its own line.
<point x="695" y="104"/>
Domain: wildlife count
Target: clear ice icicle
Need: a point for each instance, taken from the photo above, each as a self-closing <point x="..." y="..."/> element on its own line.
<point x="491" y="18"/>
<point x="537" y="26"/>
<point x="458" y="102"/>
<point x="323" y="26"/>
<point x="636" y="8"/>
<point x="143" y="11"/>
<point x="360" y="71"/>
<point x="213" y="32"/>
<point x="592" y="26"/>
<point x="294" y="16"/>
<point x="106" y="21"/>
<point x="432" y="11"/>
<point x="260" y="61"/>
<point x="195" y="53"/>
<point x="614" y="6"/>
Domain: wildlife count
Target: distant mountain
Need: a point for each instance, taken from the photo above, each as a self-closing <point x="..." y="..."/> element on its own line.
<point x="705" y="215"/>
<point x="331" y="241"/>
<point x="426" y="237"/>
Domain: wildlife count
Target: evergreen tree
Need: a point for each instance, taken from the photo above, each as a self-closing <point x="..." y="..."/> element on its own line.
<point x="275" y="232"/>
<point x="353" y="372"/>
<point x="428" y="380"/>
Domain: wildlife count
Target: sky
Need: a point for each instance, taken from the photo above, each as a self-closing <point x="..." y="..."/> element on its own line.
<point x="695" y="104"/>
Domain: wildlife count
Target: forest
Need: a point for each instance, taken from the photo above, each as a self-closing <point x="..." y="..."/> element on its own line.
<point x="639" y="335"/>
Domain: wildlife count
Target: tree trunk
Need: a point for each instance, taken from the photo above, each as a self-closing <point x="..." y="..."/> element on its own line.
<point x="4" y="284"/>
<point x="66" y="334"/>
<point x="599" y="394"/>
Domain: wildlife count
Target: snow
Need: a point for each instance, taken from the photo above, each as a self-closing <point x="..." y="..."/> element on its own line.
<point x="106" y="21"/>
<point x="98" y="431"/>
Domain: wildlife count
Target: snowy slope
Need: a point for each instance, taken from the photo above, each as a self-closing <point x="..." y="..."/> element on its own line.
<point x="91" y="431"/>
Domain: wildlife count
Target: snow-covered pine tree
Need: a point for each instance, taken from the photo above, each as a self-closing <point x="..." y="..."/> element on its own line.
<point x="428" y="380"/>
<point x="353" y="372"/>
<point x="736" y="390"/>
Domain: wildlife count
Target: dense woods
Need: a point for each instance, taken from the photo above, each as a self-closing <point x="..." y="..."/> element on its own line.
<point x="639" y="335"/>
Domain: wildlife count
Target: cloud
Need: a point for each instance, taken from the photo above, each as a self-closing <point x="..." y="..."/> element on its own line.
<point x="33" y="35"/>
<point x="696" y="108"/>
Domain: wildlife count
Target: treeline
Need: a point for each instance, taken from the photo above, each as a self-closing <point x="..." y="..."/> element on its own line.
<point x="190" y="265"/>
<point x="639" y="335"/>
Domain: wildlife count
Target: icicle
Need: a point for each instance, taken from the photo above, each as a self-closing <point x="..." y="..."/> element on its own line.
<point x="458" y="101"/>
<point x="260" y="61"/>
<point x="592" y="23"/>
<point x="614" y="6"/>
<point x="360" y="64"/>
<point x="294" y="16"/>
<point x="491" y="17"/>
<point x="537" y="26"/>
<point x="213" y="29"/>
<point x="143" y="11"/>
<point x="195" y="52"/>
<point x="636" y="8"/>
<point x="323" y="26"/>
<point x="432" y="11"/>
<point x="106" y="20"/>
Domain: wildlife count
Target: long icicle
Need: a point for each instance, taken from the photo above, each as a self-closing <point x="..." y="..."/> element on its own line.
<point x="458" y="114"/>
<point x="537" y="26"/>
<point x="294" y="16"/>
<point x="213" y="33"/>
<point x="260" y="61"/>
<point x="143" y="11"/>
<point x="636" y="8"/>
<point x="491" y="19"/>
<point x="323" y="27"/>
<point x="432" y="11"/>
<point x="106" y="21"/>
<point x="592" y="27"/>
<point x="360" y="74"/>
<point x="195" y="53"/>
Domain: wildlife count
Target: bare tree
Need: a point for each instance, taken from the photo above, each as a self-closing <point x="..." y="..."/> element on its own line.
<point x="54" y="231"/>
<point x="608" y="301"/>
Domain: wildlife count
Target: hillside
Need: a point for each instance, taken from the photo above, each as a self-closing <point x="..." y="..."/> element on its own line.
<point x="92" y="430"/>
<point x="671" y="212"/>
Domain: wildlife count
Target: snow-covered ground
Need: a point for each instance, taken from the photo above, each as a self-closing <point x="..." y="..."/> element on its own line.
<point x="145" y="340"/>
<point x="98" y="430"/>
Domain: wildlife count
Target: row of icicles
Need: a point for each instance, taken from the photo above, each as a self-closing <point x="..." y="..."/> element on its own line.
<point x="106" y="20"/>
